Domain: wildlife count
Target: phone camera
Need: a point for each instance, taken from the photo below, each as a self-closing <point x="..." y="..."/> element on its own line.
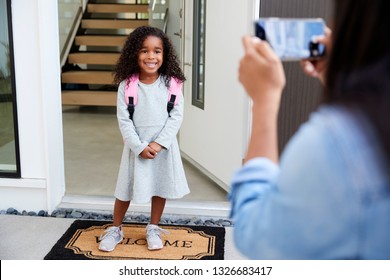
<point x="260" y="32"/>
<point x="314" y="49"/>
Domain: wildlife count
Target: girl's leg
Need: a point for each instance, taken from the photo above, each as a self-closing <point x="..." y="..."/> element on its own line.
<point x="120" y="209"/>
<point x="158" y="204"/>
<point x="152" y="230"/>
<point x="114" y="235"/>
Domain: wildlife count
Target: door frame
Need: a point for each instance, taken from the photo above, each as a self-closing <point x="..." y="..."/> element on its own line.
<point x="224" y="122"/>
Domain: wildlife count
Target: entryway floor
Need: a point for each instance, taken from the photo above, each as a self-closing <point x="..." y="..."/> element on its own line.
<point x="93" y="148"/>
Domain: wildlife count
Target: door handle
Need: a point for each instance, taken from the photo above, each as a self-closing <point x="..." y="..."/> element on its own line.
<point x="178" y="34"/>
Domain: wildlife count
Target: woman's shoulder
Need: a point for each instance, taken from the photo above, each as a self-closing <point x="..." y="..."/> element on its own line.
<point x="337" y="127"/>
<point x="314" y="140"/>
<point x="343" y="125"/>
<point x="340" y="140"/>
<point x="338" y="121"/>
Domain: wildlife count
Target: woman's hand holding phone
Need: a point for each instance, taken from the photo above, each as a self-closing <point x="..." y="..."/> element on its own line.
<point x="316" y="68"/>
<point x="261" y="72"/>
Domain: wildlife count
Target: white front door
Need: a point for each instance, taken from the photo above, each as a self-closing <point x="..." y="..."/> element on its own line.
<point x="214" y="138"/>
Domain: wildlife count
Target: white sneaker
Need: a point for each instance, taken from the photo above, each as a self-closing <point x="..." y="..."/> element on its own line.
<point x="113" y="236"/>
<point x="153" y="236"/>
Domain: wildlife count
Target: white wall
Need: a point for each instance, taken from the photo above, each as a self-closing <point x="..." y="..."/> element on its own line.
<point x="37" y="74"/>
<point x="216" y="137"/>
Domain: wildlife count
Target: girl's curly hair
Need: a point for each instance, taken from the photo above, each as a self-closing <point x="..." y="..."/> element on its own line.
<point x="127" y="64"/>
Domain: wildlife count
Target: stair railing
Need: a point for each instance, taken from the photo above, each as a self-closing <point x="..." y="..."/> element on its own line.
<point x="69" y="21"/>
<point x="158" y="14"/>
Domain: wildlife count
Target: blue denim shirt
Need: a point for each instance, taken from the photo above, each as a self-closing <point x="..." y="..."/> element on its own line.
<point x="328" y="199"/>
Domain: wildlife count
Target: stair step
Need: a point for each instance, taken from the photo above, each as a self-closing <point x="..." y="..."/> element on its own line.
<point x="117" y="8"/>
<point x="88" y="77"/>
<point x="113" y="23"/>
<point x="89" y="97"/>
<point x="94" y="40"/>
<point x="93" y="58"/>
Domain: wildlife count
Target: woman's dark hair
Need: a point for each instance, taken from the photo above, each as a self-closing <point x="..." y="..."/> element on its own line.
<point x="128" y="61"/>
<point x="358" y="72"/>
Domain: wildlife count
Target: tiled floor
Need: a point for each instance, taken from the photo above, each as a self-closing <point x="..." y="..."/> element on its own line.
<point x="93" y="147"/>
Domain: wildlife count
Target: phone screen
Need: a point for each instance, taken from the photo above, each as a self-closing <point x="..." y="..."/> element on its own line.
<point x="292" y="39"/>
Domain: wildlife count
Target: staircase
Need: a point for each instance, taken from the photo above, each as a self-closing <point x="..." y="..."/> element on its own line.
<point x="87" y="78"/>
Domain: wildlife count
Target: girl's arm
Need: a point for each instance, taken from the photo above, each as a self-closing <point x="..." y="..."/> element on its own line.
<point x="172" y="126"/>
<point x="126" y="126"/>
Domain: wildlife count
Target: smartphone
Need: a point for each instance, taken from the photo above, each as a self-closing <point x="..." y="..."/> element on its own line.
<point x="292" y="38"/>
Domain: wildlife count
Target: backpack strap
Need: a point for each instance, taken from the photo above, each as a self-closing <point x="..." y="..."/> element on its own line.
<point x="131" y="94"/>
<point x="174" y="94"/>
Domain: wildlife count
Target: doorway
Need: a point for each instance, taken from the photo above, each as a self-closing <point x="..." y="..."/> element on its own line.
<point x="92" y="141"/>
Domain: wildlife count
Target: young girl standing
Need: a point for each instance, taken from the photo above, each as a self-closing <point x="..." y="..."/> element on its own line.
<point x="151" y="167"/>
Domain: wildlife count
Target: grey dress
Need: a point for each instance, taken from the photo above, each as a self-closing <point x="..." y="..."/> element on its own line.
<point x="139" y="179"/>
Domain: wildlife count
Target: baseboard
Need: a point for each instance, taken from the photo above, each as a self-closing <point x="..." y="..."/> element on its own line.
<point x="172" y="207"/>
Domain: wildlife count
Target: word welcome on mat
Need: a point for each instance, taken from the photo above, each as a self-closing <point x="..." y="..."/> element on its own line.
<point x="82" y="238"/>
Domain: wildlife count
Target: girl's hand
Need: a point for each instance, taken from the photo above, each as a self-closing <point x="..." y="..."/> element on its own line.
<point x="317" y="68"/>
<point x="261" y="72"/>
<point x="148" y="153"/>
<point x="155" y="146"/>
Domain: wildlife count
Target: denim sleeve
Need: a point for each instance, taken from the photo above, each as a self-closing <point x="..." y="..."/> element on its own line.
<point x="302" y="209"/>
<point x="257" y="178"/>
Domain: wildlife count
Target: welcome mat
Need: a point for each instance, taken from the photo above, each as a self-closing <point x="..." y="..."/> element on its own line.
<point x="81" y="241"/>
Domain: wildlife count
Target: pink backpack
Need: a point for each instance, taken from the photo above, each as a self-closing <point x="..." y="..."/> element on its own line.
<point x="131" y="94"/>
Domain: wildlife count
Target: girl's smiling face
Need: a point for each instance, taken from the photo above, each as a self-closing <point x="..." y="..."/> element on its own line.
<point x="150" y="56"/>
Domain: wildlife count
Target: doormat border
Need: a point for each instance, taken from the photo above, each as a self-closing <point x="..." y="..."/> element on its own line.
<point x="60" y="252"/>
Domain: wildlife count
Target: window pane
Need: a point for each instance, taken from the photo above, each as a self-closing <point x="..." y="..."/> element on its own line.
<point x="199" y="53"/>
<point x="9" y="159"/>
